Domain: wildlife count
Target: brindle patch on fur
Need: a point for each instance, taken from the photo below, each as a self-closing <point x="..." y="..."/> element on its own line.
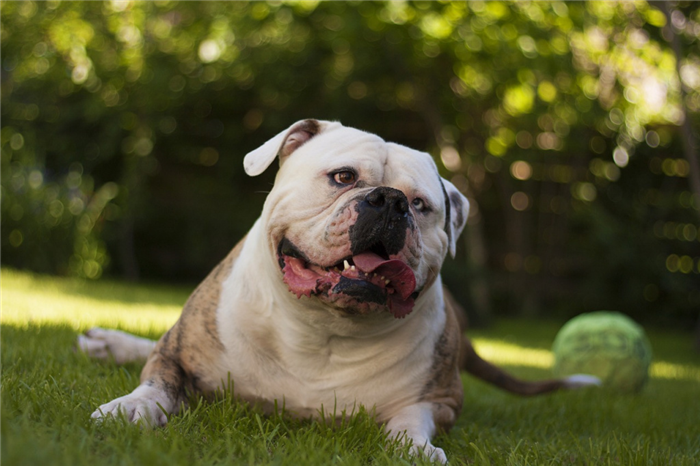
<point x="186" y="353"/>
<point x="168" y="376"/>
<point x="444" y="387"/>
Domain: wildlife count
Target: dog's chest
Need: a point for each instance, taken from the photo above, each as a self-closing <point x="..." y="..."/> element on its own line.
<point x="339" y="375"/>
<point x="273" y="351"/>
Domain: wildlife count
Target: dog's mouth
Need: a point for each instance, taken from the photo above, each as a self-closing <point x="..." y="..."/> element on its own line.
<point x="369" y="279"/>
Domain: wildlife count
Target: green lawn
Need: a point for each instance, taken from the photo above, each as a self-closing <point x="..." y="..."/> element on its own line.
<point x="49" y="391"/>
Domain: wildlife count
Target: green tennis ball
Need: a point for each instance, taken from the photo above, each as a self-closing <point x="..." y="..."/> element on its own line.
<point x="606" y="344"/>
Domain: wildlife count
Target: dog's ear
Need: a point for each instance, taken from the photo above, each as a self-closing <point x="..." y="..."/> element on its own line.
<point x="282" y="145"/>
<point x="456" y="216"/>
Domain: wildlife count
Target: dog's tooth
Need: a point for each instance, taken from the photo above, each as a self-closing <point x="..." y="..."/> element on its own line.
<point x="346" y="265"/>
<point x="352" y="267"/>
<point x="387" y="281"/>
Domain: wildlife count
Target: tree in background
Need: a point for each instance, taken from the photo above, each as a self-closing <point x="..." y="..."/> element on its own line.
<point x="125" y="123"/>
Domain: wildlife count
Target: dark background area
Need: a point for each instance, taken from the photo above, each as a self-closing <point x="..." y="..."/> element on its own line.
<point x="572" y="128"/>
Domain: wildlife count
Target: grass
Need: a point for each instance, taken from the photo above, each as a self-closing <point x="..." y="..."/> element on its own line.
<point x="49" y="391"/>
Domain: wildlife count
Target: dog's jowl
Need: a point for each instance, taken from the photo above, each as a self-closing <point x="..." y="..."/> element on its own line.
<point x="332" y="300"/>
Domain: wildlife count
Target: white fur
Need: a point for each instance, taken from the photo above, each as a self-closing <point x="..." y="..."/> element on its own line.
<point x="415" y="423"/>
<point x="326" y="362"/>
<point x="146" y="404"/>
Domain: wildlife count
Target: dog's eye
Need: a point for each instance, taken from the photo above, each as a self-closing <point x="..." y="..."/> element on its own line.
<point x="344" y="177"/>
<point x="419" y="204"/>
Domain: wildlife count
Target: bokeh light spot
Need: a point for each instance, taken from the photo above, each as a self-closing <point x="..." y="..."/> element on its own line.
<point x="209" y="51"/>
<point x="621" y="157"/>
<point x="208" y="157"/>
<point x="450" y="158"/>
<point x="520" y="201"/>
<point x="16" y="238"/>
<point x="672" y="263"/>
<point x="521" y="170"/>
<point x="685" y="264"/>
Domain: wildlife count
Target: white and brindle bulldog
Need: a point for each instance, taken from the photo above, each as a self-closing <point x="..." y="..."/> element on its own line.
<point x="332" y="300"/>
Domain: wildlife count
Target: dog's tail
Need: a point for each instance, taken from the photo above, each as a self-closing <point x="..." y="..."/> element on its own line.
<point x="471" y="362"/>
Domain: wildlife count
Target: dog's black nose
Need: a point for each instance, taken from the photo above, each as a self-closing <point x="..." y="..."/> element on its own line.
<point x="381" y="222"/>
<point x="391" y="202"/>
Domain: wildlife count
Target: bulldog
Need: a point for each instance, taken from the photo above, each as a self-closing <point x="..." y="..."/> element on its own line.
<point x="332" y="300"/>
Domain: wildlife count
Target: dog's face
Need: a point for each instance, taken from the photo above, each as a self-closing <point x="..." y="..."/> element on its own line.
<point x="358" y="223"/>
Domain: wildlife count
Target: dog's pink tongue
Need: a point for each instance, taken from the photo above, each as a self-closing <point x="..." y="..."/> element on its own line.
<point x="400" y="275"/>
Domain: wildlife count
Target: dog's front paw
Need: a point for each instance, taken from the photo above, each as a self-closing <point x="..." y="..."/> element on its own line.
<point x="431" y="452"/>
<point x="146" y="404"/>
<point x="415" y="423"/>
<point x="99" y="343"/>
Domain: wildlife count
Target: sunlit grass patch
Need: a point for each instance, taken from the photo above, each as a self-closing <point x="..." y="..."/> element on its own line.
<point x="81" y="304"/>
<point x="500" y="352"/>
<point x="667" y="370"/>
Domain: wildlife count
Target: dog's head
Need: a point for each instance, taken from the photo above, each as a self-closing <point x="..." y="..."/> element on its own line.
<point x="358" y="223"/>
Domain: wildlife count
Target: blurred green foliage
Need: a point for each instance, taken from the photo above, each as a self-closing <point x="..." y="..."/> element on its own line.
<point x="124" y="125"/>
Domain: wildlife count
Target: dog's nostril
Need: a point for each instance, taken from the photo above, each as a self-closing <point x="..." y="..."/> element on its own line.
<point x="401" y="206"/>
<point x="375" y="198"/>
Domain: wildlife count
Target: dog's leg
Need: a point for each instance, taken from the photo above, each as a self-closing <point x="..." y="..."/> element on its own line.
<point x="176" y="363"/>
<point x="162" y="392"/>
<point x="415" y="423"/>
<point x="99" y="343"/>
